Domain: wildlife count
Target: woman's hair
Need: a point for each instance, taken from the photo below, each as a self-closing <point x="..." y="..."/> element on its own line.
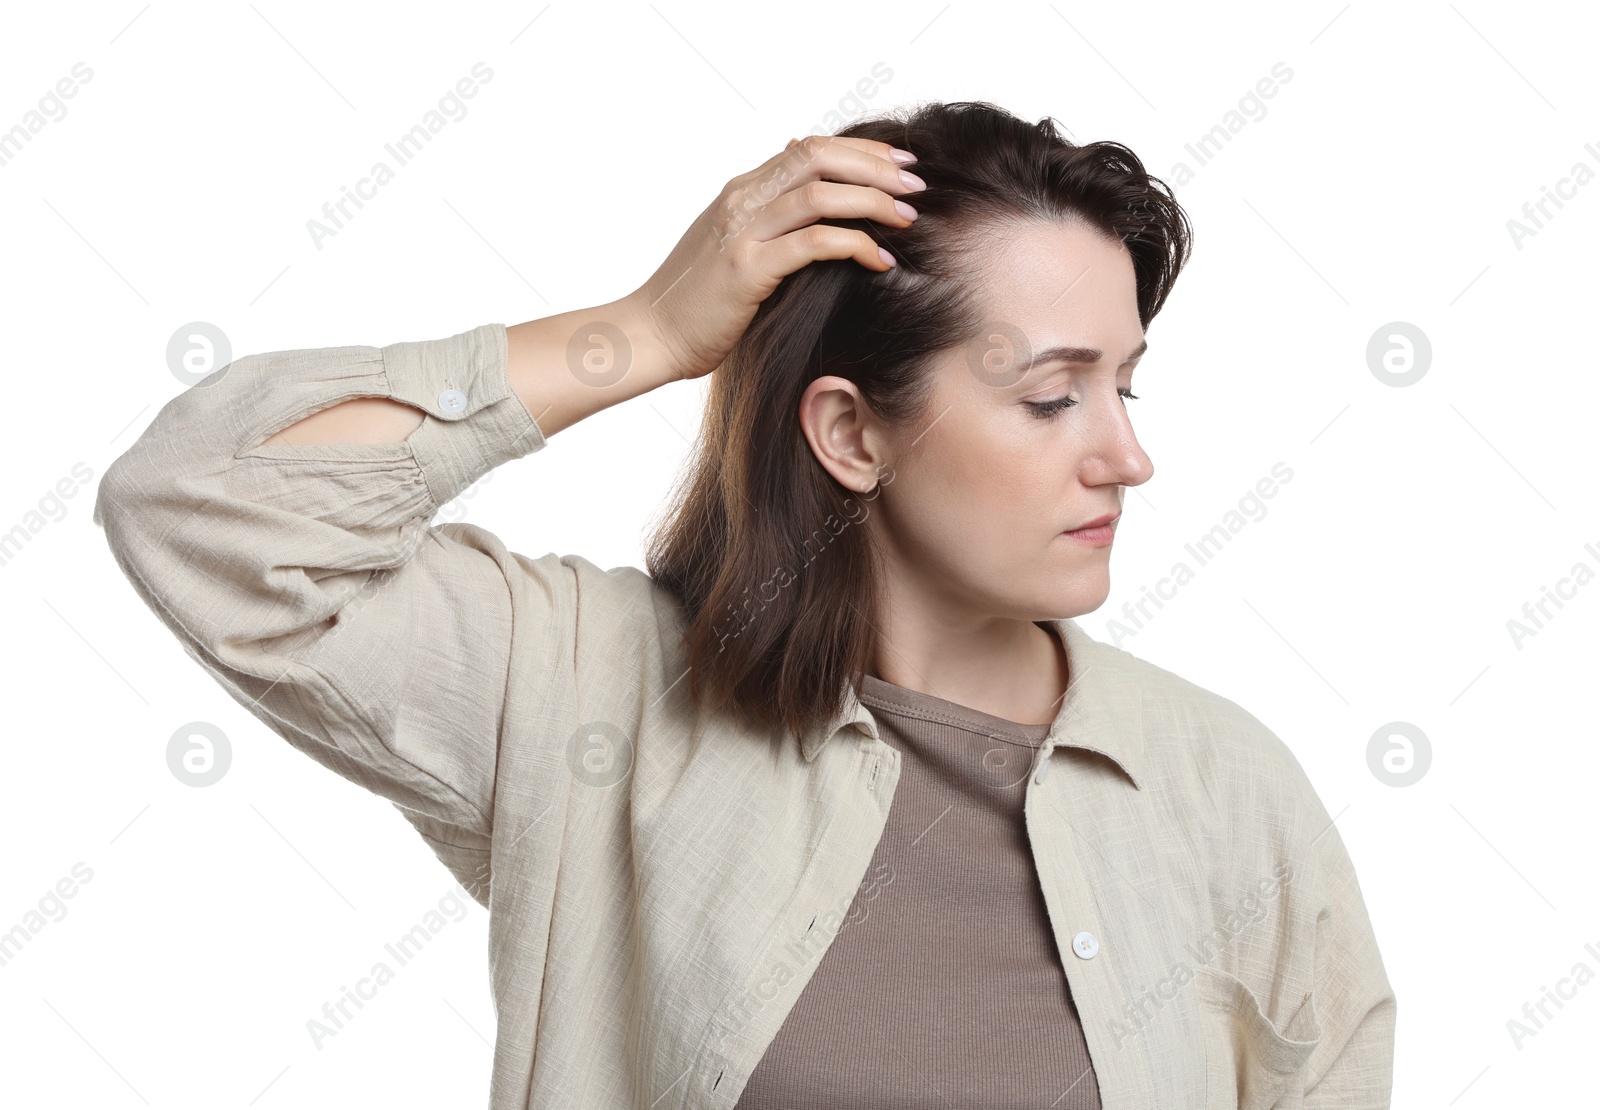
<point x="763" y="548"/>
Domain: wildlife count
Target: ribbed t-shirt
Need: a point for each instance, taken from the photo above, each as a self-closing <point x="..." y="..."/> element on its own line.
<point x="944" y="986"/>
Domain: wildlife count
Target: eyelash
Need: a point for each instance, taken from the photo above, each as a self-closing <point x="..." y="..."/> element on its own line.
<point x="1046" y="409"/>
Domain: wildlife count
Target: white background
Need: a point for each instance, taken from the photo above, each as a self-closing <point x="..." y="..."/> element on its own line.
<point x="1377" y="188"/>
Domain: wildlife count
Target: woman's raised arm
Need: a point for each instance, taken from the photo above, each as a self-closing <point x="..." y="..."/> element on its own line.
<point x="276" y="515"/>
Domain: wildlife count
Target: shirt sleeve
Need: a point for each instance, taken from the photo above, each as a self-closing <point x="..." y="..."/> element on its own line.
<point x="307" y="580"/>
<point x="1352" y="1067"/>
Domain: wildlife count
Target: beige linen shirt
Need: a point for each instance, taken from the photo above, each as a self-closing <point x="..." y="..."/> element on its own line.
<point x="661" y="885"/>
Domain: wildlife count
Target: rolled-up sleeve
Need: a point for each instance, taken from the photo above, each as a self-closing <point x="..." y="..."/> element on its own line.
<point x="309" y="581"/>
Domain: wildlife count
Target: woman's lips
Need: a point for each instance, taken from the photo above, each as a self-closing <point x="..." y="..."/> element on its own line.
<point x="1095" y="537"/>
<point x="1096" y="533"/>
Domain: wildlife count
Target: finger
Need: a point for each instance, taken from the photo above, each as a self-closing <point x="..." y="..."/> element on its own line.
<point x="838" y="158"/>
<point x="817" y="199"/>
<point x="742" y="204"/>
<point x="871" y="146"/>
<point x="852" y="160"/>
<point x="787" y="253"/>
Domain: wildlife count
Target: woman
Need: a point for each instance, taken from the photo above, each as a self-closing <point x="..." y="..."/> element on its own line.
<point x="835" y="807"/>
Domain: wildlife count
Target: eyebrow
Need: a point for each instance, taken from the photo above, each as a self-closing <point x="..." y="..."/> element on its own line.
<point x="1074" y="354"/>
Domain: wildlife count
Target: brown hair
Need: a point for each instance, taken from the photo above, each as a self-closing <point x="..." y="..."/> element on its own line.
<point x="760" y="544"/>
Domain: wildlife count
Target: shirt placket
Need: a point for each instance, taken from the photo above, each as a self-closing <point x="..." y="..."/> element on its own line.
<point x="751" y="1014"/>
<point x="1085" y="945"/>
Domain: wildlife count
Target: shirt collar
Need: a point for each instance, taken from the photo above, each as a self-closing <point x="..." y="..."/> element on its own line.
<point x="1101" y="712"/>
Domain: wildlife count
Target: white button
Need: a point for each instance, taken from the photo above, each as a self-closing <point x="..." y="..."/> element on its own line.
<point x="1085" y="945"/>
<point x="1044" y="765"/>
<point x="452" y="400"/>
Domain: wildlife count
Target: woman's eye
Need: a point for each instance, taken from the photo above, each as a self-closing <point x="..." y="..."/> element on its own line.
<point x="1043" y="409"/>
<point x="1050" y="408"/>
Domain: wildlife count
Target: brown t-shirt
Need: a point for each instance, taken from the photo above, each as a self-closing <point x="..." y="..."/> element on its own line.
<point x="944" y="986"/>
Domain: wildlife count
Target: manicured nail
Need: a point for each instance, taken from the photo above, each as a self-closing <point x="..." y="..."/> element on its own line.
<point x="901" y="155"/>
<point x="887" y="257"/>
<point x="912" y="181"/>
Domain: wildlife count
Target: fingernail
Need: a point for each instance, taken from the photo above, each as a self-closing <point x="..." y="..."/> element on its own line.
<point x="911" y="180"/>
<point x="905" y="209"/>
<point x="887" y="257"/>
<point x="901" y="155"/>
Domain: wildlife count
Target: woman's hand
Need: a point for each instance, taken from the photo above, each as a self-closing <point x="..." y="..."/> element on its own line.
<point x="760" y="229"/>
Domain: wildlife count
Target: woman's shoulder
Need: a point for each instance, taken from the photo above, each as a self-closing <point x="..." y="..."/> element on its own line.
<point x="571" y="582"/>
<point x="1229" y="776"/>
<point x="1197" y="730"/>
<point x="572" y="611"/>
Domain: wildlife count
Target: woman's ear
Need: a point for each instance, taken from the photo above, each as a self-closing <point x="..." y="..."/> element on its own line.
<point x="843" y="433"/>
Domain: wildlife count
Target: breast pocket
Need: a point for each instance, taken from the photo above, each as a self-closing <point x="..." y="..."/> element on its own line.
<point x="1250" y="1063"/>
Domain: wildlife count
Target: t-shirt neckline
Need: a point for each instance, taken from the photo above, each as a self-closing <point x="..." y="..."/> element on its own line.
<point x="899" y="700"/>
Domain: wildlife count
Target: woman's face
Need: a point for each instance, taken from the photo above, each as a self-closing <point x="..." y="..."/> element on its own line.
<point x="977" y="500"/>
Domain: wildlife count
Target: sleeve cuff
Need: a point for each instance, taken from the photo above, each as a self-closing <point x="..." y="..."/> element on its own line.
<point x="475" y="421"/>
